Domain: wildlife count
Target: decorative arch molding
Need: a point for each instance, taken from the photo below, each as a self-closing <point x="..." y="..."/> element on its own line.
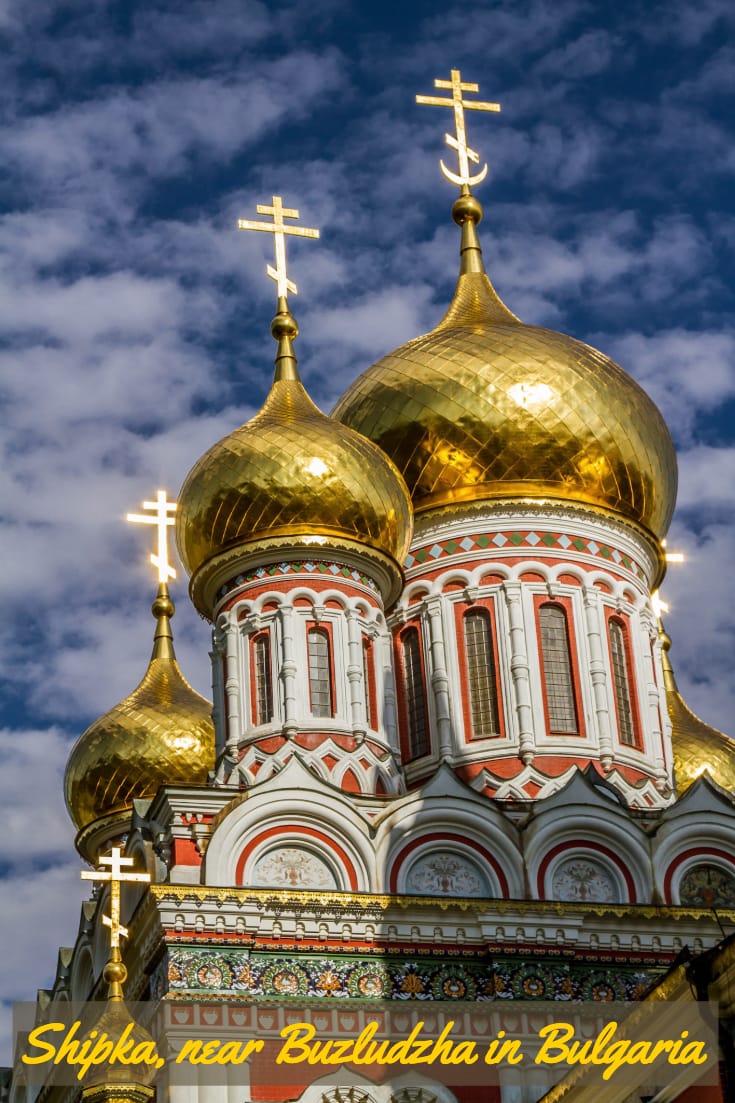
<point x="457" y="576"/>
<point x="704" y="830"/>
<point x="486" y="873"/>
<point x="688" y="861"/>
<point x="245" y="606"/>
<point x="82" y="974"/>
<point x="297" y="590"/>
<point x="475" y="822"/>
<point x="598" y="867"/>
<point x="414" y="1095"/>
<point x="293" y="805"/>
<point x="20" y="1090"/>
<point x="412" y="1087"/>
<point x="355" y="1093"/>
<point x="417" y="591"/>
<point x="594" y="828"/>
<point x="320" y="854"/>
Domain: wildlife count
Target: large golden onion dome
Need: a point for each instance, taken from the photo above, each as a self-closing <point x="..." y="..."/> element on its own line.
<point x="290" y="476"/>
<point x="485" y="407"/>
<point x="698" y="748"/>
<point x="162" y="733"/>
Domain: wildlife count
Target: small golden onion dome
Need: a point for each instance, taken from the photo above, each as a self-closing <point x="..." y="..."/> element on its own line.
<point x="290" y="476"/>
<point x="485" y="407"/>
<point x="116" y="1022"/>
<point x="161" y="734"/>
<point x="697" y="747"/>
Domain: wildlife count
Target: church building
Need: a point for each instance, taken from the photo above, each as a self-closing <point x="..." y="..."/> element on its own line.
<point x="446" y="757"/>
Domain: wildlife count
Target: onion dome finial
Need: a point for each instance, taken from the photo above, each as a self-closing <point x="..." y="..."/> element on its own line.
<point x="291" y="477"/>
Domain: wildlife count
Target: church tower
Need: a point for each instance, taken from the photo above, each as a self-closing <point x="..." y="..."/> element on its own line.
<point x="294" y="529"/>
<point x="449" y="760"/>
<point x="543" y="481"/>
<point x="161" y="734"/>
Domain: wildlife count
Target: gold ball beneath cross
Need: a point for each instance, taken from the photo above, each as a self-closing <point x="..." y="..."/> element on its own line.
<point x="115" y="971"/>
<point x="467" y="209"/>
<point x="163" y="607"/>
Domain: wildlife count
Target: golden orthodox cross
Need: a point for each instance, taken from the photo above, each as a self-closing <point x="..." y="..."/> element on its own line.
<point x="279" y="229"/>
<point x="115" y="875"/>
<point x="459" y="142"/>
<point x="162" y="518"/>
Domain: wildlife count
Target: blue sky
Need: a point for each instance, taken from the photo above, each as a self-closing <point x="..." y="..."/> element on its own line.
<point x="135" y="318"/>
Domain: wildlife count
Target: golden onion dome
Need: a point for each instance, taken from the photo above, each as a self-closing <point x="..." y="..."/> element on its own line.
<point x="485" y="407"/>
<point x="290" y="476"/>
<point x="698" y="748"/>
<point x="162" y="733"/>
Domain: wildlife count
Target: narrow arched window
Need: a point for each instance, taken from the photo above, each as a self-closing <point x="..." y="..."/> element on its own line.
<point x="367" y="680"/>
<point x="621" y="684"/>
<point x="561" y="706"/>
<point x="263" y="696"/>
<point x="320" y="680"/>
<point x="481" y="678"/>
<point x="418" y="741"/>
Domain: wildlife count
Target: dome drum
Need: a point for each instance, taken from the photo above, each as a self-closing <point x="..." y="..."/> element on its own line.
<point x="216" y="585"/>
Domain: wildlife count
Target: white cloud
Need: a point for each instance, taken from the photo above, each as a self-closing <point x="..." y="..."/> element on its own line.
<point x="377" y="322"/>
<point x="685" y="371"/>
<point x="115" y="144"/>
<point x="707" y="477"/>
<point x="700" y="620"/>
<point x="38" y="910"/>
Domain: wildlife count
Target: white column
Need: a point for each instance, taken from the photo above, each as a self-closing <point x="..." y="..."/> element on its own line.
<point x="520" y="672"/>
<point x="288" y="670"/>
<point x="218" y="711"/>
<point x="232" y="687"/>
<point x="662" y="759"/>
<point x="355" y="676"/>
<point x="439" y="676"/>
<point x="598" y="674"/>
<point x="388" y="721"/>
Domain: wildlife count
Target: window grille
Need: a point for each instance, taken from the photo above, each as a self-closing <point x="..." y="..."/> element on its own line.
<point x="621" y="684"/>
<point x="263" y="684"/>
<point x="557" y="663"/>
<point x="481" y="675"/>
<point x="418" y="742"/>
<point x="320" y="681"/>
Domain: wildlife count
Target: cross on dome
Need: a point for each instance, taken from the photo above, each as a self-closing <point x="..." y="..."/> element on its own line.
<point x="279" y="229"/>
<point x="162" y="517"/>
<point x="458" y="142"/>
<point x="115" y="876"/>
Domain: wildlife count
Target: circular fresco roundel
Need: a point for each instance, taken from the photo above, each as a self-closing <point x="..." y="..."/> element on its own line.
<point x="584" y="879"/>
<point x="707" y="886"/>
<point x="446" y="873"/>
<point x="292" y="867"/>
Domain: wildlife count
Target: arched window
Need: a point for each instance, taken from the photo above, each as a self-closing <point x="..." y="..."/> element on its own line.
<point x="621" y="684"/>
<point x="561" y="705"/>
<point x="320" y="680"/>
<point x="481" y="678"/>
<point x="367" y="680"/>
<point x="263" y="686"/>
<point x="418" y="740"/>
